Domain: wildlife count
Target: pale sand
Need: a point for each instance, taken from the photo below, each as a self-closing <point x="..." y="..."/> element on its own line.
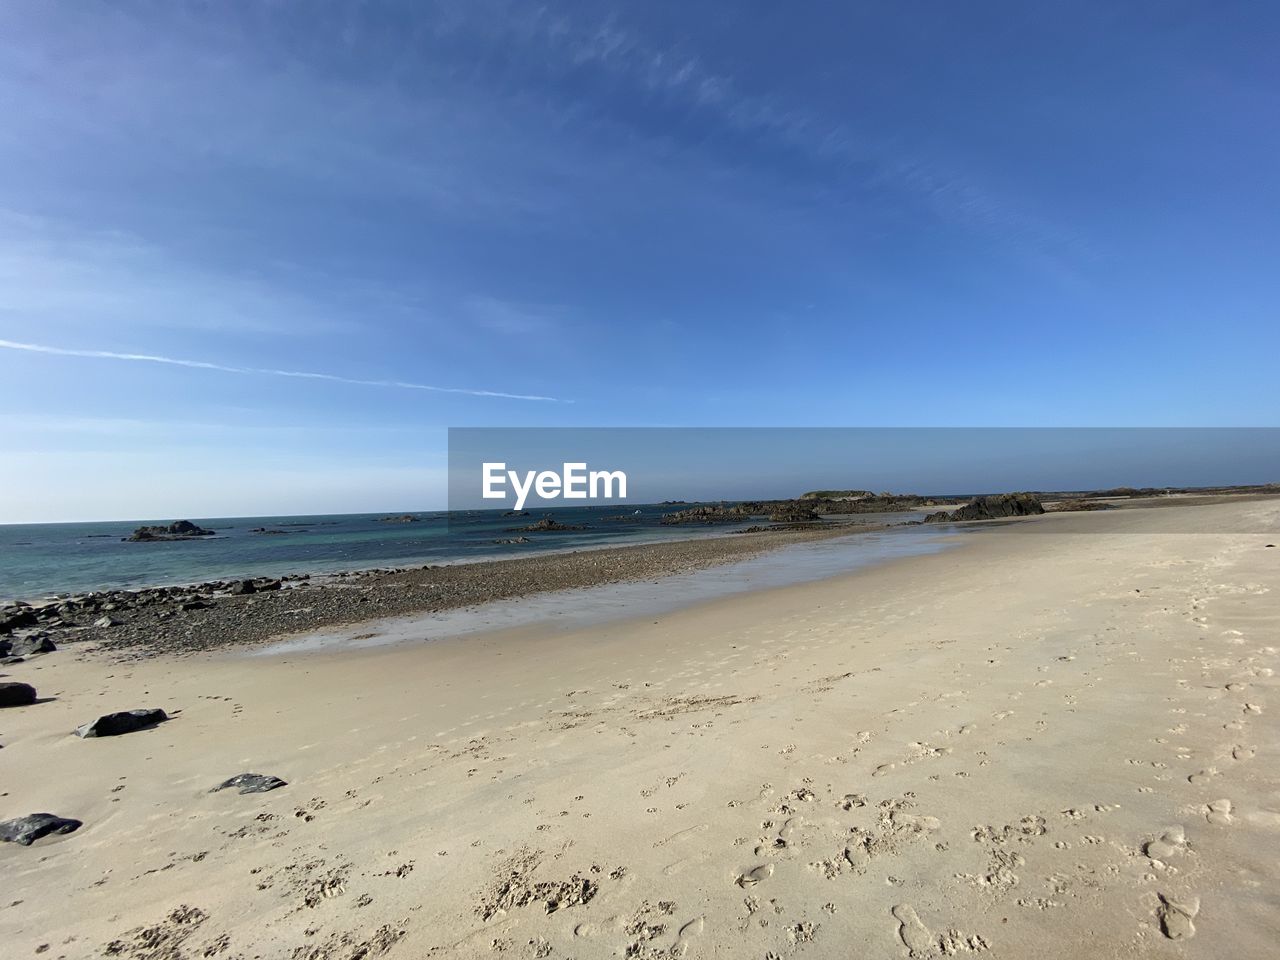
<point x="1017" y="747"/>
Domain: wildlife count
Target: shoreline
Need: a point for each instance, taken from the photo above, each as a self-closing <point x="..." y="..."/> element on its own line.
<point x="184" y="619"/>
<point x="187" y="619"/>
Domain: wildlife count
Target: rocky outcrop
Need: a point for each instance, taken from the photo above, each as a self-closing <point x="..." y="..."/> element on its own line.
<point x="250" y="783"/>
<point x="27" y="830"/>
<point x="991" y="508"/>
<point x="126" y="721"/>
<point x="836" y="495"/>
<point x="17" y="616"/>
<point x="717" y="513"/>
<point x="178" y="530"/>
<point x="17" y="694"/>
<point x="793" y="515"/>
<point x="547" y="525"/>
<point x="402" y="518"/>
<point x="810" y="503"/>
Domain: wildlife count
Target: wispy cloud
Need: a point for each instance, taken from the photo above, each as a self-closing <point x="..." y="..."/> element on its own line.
<point x="514" y="319"/>
<point x="59" y="272"/>
<point x="262" y="371"/>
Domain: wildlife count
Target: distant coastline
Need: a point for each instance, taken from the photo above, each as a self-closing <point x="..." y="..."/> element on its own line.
<point x="45" y="560"/>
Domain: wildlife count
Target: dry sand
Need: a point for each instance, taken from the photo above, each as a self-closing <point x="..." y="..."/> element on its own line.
<point x="1056" y="740"/>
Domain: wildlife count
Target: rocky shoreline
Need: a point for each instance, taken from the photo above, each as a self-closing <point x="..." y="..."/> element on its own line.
<point x="182" y="620"/>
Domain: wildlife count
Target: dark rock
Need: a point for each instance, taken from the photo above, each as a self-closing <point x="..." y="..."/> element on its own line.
<point x="16" y="618"/>
<point x="711" y="514"/>
<point x="26" y="646"/>
<point x="1079" y="506"/>
<point x="197" y="604"/>
<point x="547" y="525"/>
<point x="27" y="830"/>
<point x="516" y="513"/>
<point x="178" y="530"/>
<point x="509" y="540"/>
<point x="103" y="623"/>
<point x="126" y="721"/>
<point x="10" y="661"/>
<point x="242" y="587"/>
<point x="793" y="515"/>
<point x="251" y="783"/>
<point x="263" y="586"/>
<point x="402" y="518"/>
<point x="991" y="508"/>
<point x="17" y="694"/>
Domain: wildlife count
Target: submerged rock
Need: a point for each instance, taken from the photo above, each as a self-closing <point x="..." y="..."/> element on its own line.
<point x="26" y="830"/>
<point x="17" y="694"/>
<point x="126" y="721"/>
<point x="251" y="783"/>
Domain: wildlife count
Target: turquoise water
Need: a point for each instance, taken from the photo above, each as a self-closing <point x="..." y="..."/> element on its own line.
<point x="38" y="560"/>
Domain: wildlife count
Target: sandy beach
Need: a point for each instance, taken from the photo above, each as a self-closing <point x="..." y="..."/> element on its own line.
<point x="1057" y="739"/>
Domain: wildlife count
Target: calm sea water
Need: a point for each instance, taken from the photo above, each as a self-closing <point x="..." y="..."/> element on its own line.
<point x="38" y="560"/>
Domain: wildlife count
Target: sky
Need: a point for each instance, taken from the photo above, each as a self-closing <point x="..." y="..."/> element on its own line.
<point x="256" y="258"/>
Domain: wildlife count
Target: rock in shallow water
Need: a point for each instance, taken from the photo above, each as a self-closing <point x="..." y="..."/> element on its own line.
<point x="17" y="694"/>
<point x="251" y="783"/>
<point x="127" y="721"/>
<point x="26" y="830"/>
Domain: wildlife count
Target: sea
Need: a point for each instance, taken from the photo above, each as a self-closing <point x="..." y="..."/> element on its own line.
<point x="50" y="559"/>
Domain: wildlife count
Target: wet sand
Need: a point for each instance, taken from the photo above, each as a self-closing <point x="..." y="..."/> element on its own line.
<point x="203" y="617"/>
<point x="1057" y="739"/>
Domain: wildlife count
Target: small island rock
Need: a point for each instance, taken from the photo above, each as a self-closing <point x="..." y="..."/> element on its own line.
<point x="178" y="530"/>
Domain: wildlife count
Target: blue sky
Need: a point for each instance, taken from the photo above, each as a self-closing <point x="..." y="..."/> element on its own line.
<point x="655" y="214"/>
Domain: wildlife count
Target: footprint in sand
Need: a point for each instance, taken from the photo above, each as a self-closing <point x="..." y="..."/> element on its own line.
<point x="1243" y="752"/>
<point x="1175" y="916"/>
<point x="755" y="875"/>
<point x="915" y="936"/>
<point x="1169" y="844"/>
<point x="1202" y="776"/>
<point x="1252" y="708"/>
<point x="1219" y="813"/>
<point x="881" y="770"/>
<point x="689" y="933"/>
